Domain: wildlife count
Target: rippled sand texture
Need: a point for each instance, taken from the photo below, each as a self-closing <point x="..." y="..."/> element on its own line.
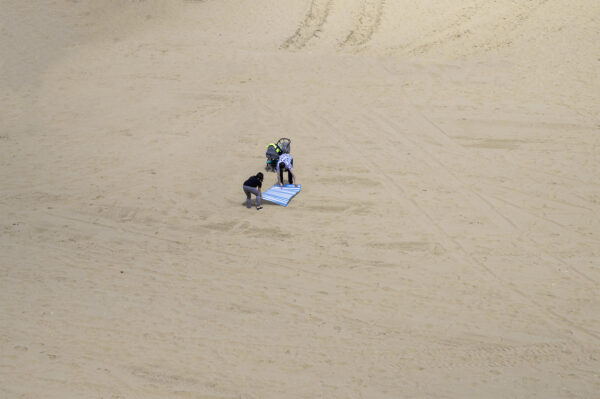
<point x="446" y="242"/>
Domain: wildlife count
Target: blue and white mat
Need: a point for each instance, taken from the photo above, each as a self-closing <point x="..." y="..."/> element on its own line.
<point x="280" y="195"/>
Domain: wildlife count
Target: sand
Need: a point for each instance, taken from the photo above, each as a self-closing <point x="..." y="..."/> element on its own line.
<point x="446" y="242"/>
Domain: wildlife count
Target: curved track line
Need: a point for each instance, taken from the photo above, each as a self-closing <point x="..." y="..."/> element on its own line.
<point x="549" y="312"/>
<point x="311" y="25"/>
<point x="458" y="29"/>
<point x="552" y="316"/>
<point x="488" y="199"/>
<point x="452" y="31"/>
<point x="368" y="22"/>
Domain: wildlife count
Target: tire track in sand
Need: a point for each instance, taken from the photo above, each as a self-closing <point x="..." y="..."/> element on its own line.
<point x="427" y="154"/>
<point x="454" y="355"/>
<point x="311" y="25"/>
<point x="490" y="199"/>
<point x="551" y="314"/>
<point x="466" y="24"/>
<point x="368" y="23"/>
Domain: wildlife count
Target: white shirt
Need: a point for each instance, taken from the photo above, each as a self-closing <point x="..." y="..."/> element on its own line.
<point x="287" y="161"/>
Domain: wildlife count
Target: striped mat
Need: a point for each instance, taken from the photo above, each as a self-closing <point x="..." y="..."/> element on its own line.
<point x="280" y="195"/>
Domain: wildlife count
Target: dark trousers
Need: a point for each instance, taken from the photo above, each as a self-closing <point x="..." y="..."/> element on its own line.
<point x="289" y="176"/>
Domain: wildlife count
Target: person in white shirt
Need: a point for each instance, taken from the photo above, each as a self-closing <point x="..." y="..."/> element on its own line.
<point x="286" y="162"/>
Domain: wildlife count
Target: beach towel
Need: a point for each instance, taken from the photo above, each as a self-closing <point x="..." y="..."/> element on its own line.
<point x="280" y="195"/>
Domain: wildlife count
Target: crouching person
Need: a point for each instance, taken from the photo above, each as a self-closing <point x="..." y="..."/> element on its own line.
<point x="253" y="186"/>
<point x="286" y="162"/>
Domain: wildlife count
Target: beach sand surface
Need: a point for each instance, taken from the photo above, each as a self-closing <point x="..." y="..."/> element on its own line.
<point x="445" y="244"/>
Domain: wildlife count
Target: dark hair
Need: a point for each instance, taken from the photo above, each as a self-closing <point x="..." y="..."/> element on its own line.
<point x="281" y="165"/>
<point x="260" y="176"/>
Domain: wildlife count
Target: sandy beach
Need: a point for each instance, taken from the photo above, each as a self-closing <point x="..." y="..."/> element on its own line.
<point x="445" y="244"/>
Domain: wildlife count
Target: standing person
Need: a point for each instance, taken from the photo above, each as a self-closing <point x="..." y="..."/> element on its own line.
<point x="253" y="186"/>
<point x="285" y="162"/>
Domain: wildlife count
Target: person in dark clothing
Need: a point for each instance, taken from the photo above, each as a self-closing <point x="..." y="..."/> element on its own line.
<point x="253" y="186"/>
